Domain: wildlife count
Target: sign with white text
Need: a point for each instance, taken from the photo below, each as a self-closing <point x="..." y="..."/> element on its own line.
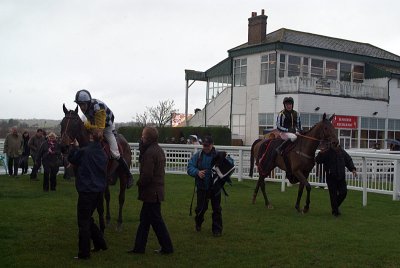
<point x="345" y="121"/>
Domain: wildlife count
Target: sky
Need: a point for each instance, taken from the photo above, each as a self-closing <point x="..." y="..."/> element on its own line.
<point x="132" y="54"/>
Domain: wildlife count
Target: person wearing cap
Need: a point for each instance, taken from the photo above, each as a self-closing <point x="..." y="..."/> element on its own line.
<point x="194" y="140"/>
<point x="100" y="116"/>
<point x="199" y="167"/>
<point x="288" y="124"/>
<point x="50" y="154"/>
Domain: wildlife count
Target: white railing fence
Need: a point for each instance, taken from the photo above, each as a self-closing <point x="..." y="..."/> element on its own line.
<point x="377" y="172"/>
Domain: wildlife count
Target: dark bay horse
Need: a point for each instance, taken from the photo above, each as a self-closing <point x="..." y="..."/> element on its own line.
<point x="301" y="158"/>
<point x="72" y="127"/>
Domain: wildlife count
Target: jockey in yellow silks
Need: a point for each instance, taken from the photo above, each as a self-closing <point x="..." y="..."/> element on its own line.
<point x="100" y="116"/>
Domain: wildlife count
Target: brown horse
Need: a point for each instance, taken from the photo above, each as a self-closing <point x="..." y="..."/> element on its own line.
<point x="72" y="127"/>
<point x="301" y="159"/>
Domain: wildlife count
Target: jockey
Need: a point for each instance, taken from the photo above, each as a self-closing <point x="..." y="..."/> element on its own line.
<point x="288" y="123"/>
<point x="99" y="116"/>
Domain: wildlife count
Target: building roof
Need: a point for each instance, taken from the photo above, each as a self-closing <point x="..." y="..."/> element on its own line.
<point x="310" y="40"/>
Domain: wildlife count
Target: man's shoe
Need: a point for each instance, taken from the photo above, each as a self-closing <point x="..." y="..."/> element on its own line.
<point x="98" y="249"/>
<point x="81" y="258"/>
<point x="134" y="251"/>
<point x="161" y="251"/>
<point x="217" y="234"/>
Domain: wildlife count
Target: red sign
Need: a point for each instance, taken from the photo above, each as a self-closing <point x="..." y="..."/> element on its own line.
<point x="345" y="121"/>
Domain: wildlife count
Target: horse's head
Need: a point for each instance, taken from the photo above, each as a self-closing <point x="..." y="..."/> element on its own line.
<point x="326" y="130"/>
<point x="71" y="126"/>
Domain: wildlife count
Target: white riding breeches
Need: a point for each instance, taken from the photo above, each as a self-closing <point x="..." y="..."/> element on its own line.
<point x="288" y="135"/>
<point x="110" y="137"/>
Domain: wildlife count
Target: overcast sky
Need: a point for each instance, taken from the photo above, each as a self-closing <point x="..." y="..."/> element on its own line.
<point x="132" y="54"/>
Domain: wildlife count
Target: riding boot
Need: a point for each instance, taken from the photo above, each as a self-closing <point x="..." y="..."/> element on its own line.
<point x="111" y="176"/>
<point x="125" y="166"/>
<point x="281" y="147"/>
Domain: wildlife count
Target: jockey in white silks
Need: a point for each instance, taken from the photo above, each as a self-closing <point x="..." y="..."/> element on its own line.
<point x="288" y="123"/>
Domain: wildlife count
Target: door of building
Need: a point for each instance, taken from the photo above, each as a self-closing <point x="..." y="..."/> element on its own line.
<point x="345" y="142"/>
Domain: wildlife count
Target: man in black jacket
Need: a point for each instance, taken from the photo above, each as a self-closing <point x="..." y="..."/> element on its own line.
<point x="91" y="162"/>
<point x="335" y="161"/>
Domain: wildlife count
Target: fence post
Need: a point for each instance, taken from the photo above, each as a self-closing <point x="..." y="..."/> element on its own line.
<point x="396" y="181"/>
<point x="364" y="180"/>
<point x="240" y="167"/>
<point x="283" y="181"/>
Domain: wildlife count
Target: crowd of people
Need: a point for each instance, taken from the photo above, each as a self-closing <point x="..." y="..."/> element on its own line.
<point x="90" y="164"/>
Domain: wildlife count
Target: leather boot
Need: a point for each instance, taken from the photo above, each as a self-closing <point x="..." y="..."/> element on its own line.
<point x="280" y="148"/>
<point x="111" y="176"/>
<point x="125" y="166"/>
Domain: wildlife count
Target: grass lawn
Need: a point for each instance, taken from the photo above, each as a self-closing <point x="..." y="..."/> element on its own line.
<point x="39" y="229"/>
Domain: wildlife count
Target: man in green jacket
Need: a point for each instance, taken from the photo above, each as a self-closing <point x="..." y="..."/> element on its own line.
<point x="13" y="150"/>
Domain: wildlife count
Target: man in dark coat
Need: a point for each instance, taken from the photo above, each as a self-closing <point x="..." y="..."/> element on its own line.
<point x="91" y="163"/>
<point x="335" y="161"/>
<point x="34" y="145"/>
<point x="151" y="192"/>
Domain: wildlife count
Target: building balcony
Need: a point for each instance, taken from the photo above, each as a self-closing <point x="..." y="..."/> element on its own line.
<point x="372" y="89"/>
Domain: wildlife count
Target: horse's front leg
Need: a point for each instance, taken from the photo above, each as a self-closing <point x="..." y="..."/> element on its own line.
<point x="107" y="198"/>
<point x="121" y="199"/>
<point x="299" y="194"/>
<point x="253" y="201"/>
<point x="307" y="206"/>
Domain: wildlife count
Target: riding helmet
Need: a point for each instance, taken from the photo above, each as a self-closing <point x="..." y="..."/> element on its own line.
<point x="83" y="96"/>
<point x="288" y="100"/>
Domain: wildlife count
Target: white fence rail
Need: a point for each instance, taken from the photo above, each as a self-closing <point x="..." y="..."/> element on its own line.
<point x="377" y="172"/>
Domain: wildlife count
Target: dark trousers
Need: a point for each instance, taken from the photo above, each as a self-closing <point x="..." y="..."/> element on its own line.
<point x="13" y="164"/>
<point x="203" y="197"/>
<point x="36" y="165"/>
<point x="23" y="163"/>
<point x="50" y="174"/>
<point x="337" y="192"/>
<point x="150" y="215"/>
<point x="88" y="230"/>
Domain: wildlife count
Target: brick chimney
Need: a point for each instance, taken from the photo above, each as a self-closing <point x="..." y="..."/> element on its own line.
<point x="257" y="28"/>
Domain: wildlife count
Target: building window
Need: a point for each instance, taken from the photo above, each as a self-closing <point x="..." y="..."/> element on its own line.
<point x="345" y="72"/>
<point x="294" y="65"/>
<point x="268" y="68"/>
<point x="265" y="121"/>
<point x="331" y="70"/>
<point x="373" y="132"/>
<point x="317" y="68"/>
<point x="282" y="65"/>
<point x="239" y="125"/>
<point x="240" y="72"/>
<point x="216" y="85"/>
<point x="358" y="73"/>
<point x="305" y="67"/>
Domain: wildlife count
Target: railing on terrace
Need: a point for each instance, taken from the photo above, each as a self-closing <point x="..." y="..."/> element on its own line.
<point x="377" y="172"/>
<point x="313" y="85"/>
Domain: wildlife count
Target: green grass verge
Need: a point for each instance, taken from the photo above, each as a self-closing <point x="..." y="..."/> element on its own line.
<point x="39" y="229"/>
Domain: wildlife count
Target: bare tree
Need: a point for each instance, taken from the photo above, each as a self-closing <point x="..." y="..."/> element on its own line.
<point x="162" y="114"/>
<point x="142" y="119"/>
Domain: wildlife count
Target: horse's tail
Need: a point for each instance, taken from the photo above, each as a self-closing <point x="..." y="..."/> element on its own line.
<point x="252" y="157"/>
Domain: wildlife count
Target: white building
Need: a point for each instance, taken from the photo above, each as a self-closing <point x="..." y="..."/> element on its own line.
<point x="358" y="82"/>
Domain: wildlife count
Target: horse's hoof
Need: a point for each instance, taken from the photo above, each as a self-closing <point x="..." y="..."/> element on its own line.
<point x="305" y="210"/>
<point x="269" y="206"/>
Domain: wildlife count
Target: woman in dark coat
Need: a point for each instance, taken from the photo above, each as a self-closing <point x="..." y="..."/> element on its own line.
<point x="50" y="155"/>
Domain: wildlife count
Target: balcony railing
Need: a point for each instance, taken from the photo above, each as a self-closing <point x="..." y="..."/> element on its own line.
<point x="322" y="86"/>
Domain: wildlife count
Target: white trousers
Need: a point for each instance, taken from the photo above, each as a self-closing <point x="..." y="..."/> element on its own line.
<point x="288" y="135"/>
<point x="110" y="137"/>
